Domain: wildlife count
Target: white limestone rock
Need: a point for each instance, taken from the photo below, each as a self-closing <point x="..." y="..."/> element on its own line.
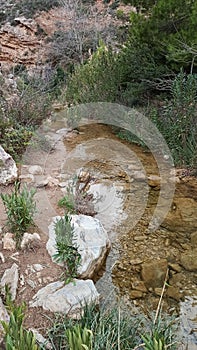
<point x="10" y="278"/>
<point x="68" y="299"/>
<point x="91" y="239"/>
<point x="8" y="168"/>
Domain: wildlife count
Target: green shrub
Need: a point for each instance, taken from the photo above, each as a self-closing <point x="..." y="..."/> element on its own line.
<point x="20" y="208"/>
<point x="16" y="336"/>
<point x="97" y="80"/>
<point x="176" y="120"/>
<point x="67" y="252"/>
<point x="113" y="328"/>
<point x="79" y="338"/>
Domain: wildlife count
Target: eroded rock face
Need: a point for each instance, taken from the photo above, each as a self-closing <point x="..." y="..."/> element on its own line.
<point x="91" y="239"/>
<point x="8" y="168"/>
<point x="182" y="216"/>
<point x="68" y="299"/>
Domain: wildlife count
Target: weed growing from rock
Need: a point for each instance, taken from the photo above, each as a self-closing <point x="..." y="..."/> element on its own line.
<point x="20" y="208"/>
<point x="67" y="253"/>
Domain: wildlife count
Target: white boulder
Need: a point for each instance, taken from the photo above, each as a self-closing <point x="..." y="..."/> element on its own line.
<point x="10" y="278"/>
<point x="91" y="239"/>
<point x="68" y="299"/>
<point x="8" y="168"/>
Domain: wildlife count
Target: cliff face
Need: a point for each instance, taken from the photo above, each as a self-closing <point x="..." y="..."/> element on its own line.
<point x="25" y="41"/>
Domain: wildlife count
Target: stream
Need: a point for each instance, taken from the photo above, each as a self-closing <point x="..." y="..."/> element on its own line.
<point x="126" y="186"/>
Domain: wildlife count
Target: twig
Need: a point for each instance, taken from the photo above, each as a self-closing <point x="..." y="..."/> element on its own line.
<point x="161" y="297"/>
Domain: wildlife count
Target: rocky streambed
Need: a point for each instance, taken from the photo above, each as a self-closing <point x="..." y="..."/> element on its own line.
<point x="125" y="183"/>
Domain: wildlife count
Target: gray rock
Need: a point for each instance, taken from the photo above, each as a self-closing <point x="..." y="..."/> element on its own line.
<point x="9" y="242"/>
<point x="10" y="278"/>
<point x="189" y="260"/>
<point x="153" y="273"/>
<point x="68" y="299"/>
<point x="35" y="170"/>
<point x="3" y="317"/>
<point x="29" y="239"/>
<point x="91" y="239"/>
<point x="8" y="168"/>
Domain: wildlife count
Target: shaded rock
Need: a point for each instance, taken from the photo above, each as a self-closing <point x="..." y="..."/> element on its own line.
<point x="139" y="285"/>
<point x="10" y="278"/>
<point x="194" y="239"/>
<point x="175" y="267"/>
<point x="91" y="239"/>
<point x="136" y="294"/>
<point x="189" y="260"/>
<point x="26" y="178"/>
<point x="154" y="180"/>
<point x="174" y="293"/>
<point x="29" y="240"/>
<point x="9" y="242"/>
<point x="68" y="299"/>
<point x="35" y="170"/>
<point x="41" y="340"/>
<point x="8" y="168"/>
<point x="153" y="273"/>
<point x="182" y="216"/>
<point x="3" y="317"/>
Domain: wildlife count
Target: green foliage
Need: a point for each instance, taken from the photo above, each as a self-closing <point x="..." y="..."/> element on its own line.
<point x="97" y="80"/>
<point x="77" y="200"/>
<point x="79" y="338"/>
<point x="112" y="328"/>
<point x="20" y="208"/>
<point x="67" y="252"/>
<point x="16" y="336"/>
<point x="177" y="120"/>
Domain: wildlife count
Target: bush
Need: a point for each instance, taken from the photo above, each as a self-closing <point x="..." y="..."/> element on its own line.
<point x="176" y="120"/>
<point x="113" y="328"/>
<point x="67" y="252"/>
<point x="95" y="81"/>
<point x="16" y="336"/>
<point x="20" y="208"/>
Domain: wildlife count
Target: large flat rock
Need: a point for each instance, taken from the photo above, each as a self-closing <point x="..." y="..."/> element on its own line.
<point x="68" y="299"/>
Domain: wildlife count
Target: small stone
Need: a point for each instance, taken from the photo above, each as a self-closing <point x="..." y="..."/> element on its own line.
<point x="139" y="238"/>
<point x="139" y="175"/>
<point x="158" y="291"/>
<point x="175" y="267"/>
<point x="154" y="180"/>
<point x="42" y="183"/>
<point x="174" y="293"/>
<point x="31" y="283"/>
<point x="139" y="285"/>
<point x="35" y="170"/>
<point x="52" y="181"/>
<point x="37" y="267"/>
<point x="136" y="262"/>
<point x="2" y="257"/>
<point x="63" y="184"/>
<point x="27" y="178"/>
<point x="194" y="239"/>
<point x="189" y="260"/>
<point x="29" y="240"/>
<point x="136" y="294"/>
<point x="8" y="242"/>
<point x="22" y="280"/>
